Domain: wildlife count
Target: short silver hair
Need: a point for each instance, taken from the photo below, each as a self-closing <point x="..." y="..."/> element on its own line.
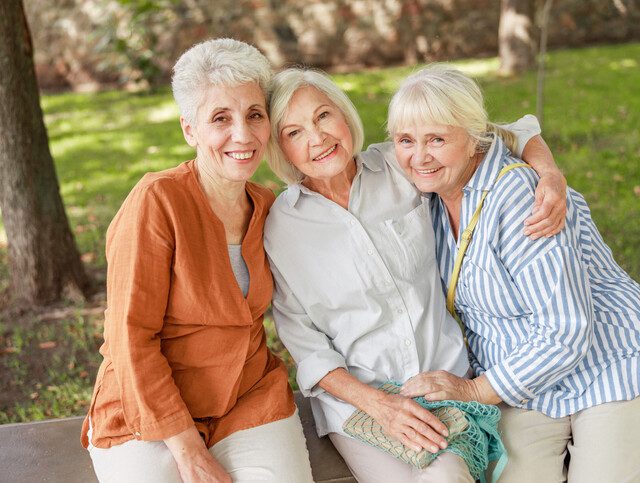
<point x="283" y="86"/>
<point x="219" y="62"/>
<point x="440" y="94"/>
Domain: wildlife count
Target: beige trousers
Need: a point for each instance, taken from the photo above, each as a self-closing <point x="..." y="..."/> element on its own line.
<point x="603" y="444"/>
<point x="371" y="465"/>
<point x="274" y="452"/>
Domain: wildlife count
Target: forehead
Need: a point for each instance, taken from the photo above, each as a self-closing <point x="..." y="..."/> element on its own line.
<point x="427" y="128"/>
<point x="238" y="97"/>
<point x="304" y="102"/>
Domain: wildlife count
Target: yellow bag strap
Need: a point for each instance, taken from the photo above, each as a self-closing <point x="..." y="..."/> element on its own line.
<point x="465" y="240"/>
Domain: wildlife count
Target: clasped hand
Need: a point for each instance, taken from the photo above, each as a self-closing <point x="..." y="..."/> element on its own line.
<point x="405" y="420"/>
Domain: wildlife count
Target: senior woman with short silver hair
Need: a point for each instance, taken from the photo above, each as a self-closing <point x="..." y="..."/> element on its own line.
<point x="188" y="390"/>
<point x="553" y="324"/>
<point x="358" y="298"/>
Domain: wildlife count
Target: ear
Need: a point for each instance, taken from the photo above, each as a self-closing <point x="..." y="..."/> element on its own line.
<point x="188" y="131"/>
<point x="473" y="146"/>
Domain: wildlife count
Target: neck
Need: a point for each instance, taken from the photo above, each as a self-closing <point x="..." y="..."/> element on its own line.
<point x="220" y="190"/>
<point x="452" y="197"/>
<point x="337" y="188"/>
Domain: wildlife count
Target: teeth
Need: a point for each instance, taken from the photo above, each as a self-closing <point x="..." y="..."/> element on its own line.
<point x="426" y="171"/>
<point x="245" y="155"/>
<point x="326" y="153"/>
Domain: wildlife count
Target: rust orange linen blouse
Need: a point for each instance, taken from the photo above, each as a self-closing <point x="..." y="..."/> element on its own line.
<point x="182" y="345"/>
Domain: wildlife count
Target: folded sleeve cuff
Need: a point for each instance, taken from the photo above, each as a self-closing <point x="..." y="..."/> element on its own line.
<point x="314" y="367"/>
<point x="164" y="428"/>
<point x="508" y="385"/>
<point x="524" y="128"/>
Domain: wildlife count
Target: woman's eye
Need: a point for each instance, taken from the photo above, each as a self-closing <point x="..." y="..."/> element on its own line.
<point x="323" y="114"/>
<point x="404" y="141"/>
<point x="219" y="119"/>
<point x="256" y="116"/>
<point x="437" y="141"/>
<point x="291" y="134"/>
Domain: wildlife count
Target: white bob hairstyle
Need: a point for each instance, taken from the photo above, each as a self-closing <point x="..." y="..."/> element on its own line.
<point x="219" y="62"/>
<point x="439" y="94"/>
<point x="283" y="87"/>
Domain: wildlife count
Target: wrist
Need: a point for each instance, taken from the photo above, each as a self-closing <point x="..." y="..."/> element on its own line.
<point x="483" y="391"/>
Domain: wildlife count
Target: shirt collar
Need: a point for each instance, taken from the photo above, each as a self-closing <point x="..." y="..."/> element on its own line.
<point x="489" y="168"/>
<point x="372" y="163"/>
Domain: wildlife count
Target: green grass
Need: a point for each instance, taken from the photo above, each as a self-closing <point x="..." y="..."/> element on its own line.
<point x="104" y="143"/>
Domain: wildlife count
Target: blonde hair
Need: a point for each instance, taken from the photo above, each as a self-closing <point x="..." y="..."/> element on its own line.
<point x="283" y="86"/>
<point x="216" y="62"/>
<point x="439" y="94"/>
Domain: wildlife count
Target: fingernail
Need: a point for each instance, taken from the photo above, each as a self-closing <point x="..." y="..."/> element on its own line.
<point x="434" y="449"/>
<point x="443" y="444"/>
<point x="526" y="232"/>
<point x="445" y="433"/>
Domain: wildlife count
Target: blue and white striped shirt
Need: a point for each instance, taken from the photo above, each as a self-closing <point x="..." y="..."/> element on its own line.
<point x="554" y="323"/>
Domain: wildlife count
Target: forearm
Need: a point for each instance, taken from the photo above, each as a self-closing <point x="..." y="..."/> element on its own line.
<point x="538" y="155"/>
<point x="193" y="459"/>
<point x="343" y="385"/>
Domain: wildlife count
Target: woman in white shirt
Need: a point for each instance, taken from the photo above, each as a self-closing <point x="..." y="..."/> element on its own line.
<point x="358" y="298"/>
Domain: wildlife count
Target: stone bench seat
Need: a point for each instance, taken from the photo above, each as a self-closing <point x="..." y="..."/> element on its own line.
<point x="51" y="451"/>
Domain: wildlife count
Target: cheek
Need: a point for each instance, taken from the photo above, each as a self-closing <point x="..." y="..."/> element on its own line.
<point x="290" y="152"/>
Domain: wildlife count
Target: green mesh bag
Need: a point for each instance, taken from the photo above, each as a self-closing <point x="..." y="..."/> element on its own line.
<point x="473" y="434"/>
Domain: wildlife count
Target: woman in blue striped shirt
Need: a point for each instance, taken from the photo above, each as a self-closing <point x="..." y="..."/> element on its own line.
<point x="553" y="324"/>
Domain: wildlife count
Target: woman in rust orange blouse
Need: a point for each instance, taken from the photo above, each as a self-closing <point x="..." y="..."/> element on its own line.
<point x="188" y="389"/>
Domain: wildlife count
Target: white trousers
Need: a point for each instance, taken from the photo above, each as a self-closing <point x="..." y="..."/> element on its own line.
<point x="603" y="443"/>
<point x="371" y="465"/>
<point x="274" y="452"/>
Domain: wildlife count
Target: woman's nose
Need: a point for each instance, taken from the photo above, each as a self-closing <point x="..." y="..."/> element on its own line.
<point x="240" y="132"/>
<point x="316" y="136"/>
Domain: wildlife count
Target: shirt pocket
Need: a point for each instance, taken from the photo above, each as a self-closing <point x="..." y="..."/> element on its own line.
<point x="489" y="292"/>
<point x="411" y="242"/>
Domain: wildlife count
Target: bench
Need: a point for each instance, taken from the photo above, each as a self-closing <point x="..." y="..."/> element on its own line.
<point x="51" y="451"/>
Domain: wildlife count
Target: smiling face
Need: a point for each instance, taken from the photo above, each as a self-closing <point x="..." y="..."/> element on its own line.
<point x="315" y="137"/>
<point x="438" y="159"/>
<point x="230" y="132"/>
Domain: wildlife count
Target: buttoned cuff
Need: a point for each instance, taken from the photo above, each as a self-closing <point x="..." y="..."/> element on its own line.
<point x="313" y="368"/>
<point x="163" y="428"/>
<point x="508" y="386"/>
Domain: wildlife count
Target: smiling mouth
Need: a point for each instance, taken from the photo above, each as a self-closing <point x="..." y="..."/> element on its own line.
<point x="326" y="153"/>
<point x="424" y="172"/>
<point x="241" y="155"/>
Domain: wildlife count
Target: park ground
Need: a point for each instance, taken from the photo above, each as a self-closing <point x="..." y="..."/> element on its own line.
<point x="103" y="143"/>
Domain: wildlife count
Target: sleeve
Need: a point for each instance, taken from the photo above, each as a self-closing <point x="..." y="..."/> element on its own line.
<point x="524" y="128"/>
<point x="310" y="347"/>
<point x="140" y="248"/>
<point x="550" y="277"/>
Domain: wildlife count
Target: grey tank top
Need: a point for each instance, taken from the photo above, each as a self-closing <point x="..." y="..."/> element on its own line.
<point x="239" y="267"/>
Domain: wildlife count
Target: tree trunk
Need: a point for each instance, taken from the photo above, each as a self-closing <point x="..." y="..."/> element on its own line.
<point x="43" y="258"/>
<point x="515" y="35"/>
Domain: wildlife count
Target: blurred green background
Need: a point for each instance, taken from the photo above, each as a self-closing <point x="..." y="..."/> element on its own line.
<point x="103" y="143"/>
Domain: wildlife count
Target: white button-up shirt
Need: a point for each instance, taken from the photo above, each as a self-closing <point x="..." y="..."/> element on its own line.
<point x="360" y="288"/>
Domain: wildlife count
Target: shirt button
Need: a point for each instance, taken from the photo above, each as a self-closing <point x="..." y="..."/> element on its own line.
<point x="370" y="252"/>
<point x="407" y="342"/>
<point x="400" y="311"/>
<point x="137" y="434"/>
<point x="353" y="222"/>
<point x="387" y="282"/>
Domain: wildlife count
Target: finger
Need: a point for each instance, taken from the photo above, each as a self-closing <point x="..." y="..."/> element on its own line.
<point x="426" y="436"/>
<point x="426" y="417"/>
<point x="415" y="388"/>
<point x="539" y="229"/>
<point x="554" y="230"/>
<point x="410" y="443"/>
<point x="418" y="440"/>
<point x="539" y="213"/>
<point x="442" y="395"/>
